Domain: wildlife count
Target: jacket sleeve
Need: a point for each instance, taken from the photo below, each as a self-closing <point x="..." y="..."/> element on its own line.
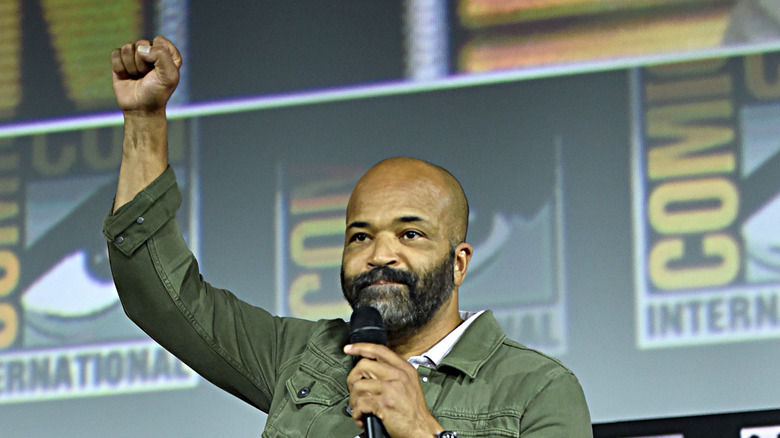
<point x="558" y="410"/>
<point x="227" y="341"/>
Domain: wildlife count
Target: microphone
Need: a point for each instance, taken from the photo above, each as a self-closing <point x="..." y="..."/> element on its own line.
<point x="365" y="325"/>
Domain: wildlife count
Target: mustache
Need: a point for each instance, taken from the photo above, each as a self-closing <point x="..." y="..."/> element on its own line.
<point x="384" y="273"/>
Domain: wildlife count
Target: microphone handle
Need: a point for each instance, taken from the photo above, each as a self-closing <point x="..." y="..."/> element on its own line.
<point x="374" y="427"/>
<point x="366" y="326"/>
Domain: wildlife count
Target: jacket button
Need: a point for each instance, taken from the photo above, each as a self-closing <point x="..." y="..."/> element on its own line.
<point x="140" y="220"/>
<point x="303" y="392"/>
<point x="119" y="239"/>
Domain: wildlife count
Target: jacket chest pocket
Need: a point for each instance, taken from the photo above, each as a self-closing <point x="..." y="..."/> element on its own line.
<point x="314" y="403"/>
<point x="480" y="424"/>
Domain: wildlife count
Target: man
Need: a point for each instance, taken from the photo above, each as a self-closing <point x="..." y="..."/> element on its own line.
<point x="404" y="254"/>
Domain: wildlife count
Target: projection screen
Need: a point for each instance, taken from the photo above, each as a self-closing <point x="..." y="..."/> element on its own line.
<point x="620" y="159"/>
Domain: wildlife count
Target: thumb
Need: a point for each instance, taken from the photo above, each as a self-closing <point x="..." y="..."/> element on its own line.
<point x="165" y="58"/>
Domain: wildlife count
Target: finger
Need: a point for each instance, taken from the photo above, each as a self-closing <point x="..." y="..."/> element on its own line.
<point x="141" y="65"/>
<point x="377" y="398"/>
<point x="369" y="369"/>
<point x="175" y="55"/>
<point x="375" y="352"/>
<point x="365" y="400"/>
<point x="358" y="372"/>
<point x="377" y="371"/>
<point x="367" y="388"/>
<point x="359" y="412"/>
<point x="127" y="55"/>
<point x="117" y="66"/>
<point x="162" y="58"/>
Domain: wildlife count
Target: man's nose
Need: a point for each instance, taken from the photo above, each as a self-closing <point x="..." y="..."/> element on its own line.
<point x="383" y="252"/>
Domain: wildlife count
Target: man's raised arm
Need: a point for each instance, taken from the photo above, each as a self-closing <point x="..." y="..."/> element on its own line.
<point x="157" y="278"/>
<point x="145" y="74"/>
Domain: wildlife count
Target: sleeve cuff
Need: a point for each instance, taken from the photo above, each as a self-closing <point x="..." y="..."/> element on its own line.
<point x="133" y="223"/>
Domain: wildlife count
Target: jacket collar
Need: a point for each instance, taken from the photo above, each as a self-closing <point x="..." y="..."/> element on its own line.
<point x="476" y="346"/>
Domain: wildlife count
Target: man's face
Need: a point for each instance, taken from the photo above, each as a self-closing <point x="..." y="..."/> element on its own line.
<point x="397" y="251"/>
<point x="406" y="300"/>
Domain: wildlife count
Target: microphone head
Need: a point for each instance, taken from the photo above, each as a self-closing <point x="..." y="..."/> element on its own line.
<point x="366" y="326"/>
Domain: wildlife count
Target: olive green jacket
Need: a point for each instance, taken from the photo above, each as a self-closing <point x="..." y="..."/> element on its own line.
<point x="295" y="370"/>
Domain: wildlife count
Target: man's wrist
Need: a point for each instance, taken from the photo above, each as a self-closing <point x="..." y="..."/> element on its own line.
<point x="144" y="114"/>
<point x="433" y="428"/>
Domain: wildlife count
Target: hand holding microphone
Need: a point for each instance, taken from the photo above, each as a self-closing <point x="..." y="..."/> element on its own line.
<point x="385" y="393"/>
<point x="366" y="325"/>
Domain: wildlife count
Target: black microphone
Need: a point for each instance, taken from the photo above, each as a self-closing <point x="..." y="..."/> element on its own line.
<point x="365" y="325"/>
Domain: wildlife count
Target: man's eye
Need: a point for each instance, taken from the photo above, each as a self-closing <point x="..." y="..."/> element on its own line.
<point x="411" y="234"/>
<point x="359" y="237"/>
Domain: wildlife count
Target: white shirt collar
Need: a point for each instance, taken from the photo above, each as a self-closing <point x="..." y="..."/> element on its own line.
<point x="433" y="357"/>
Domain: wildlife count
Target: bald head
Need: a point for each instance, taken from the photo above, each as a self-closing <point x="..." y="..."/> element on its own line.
<point x="419" y="180"/>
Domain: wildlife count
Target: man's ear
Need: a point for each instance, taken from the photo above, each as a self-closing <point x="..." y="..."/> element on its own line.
<point x="462" y="258"/>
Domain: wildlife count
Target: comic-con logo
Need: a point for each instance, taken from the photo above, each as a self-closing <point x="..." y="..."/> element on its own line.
<point x="63" y="332"/>
<point x="707" y="202"/>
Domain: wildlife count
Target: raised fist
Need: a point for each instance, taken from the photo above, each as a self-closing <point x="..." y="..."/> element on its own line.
<point x="145" y="74"/>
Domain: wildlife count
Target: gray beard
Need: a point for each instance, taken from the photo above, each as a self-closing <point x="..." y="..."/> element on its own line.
<point x="407" y="306"/>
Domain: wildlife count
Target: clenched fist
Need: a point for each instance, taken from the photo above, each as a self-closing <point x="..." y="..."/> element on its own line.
<point x="145" y="74"/>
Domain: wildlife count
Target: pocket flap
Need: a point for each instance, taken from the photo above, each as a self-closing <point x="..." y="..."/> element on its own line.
<point x="309" y="386"/>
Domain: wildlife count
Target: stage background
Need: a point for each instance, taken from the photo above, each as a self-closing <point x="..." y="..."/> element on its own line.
<point x="620" y="159"/>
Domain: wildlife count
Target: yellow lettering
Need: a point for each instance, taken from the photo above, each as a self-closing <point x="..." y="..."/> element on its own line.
<point x="706" y="66"/>
<point x="322" y="257"/>
<point x="686" y="155"/>
<point x="51" y="166"/>
<point x="299" y="307"/>
<point x="9" y="185"/>
<point x="9" y="325"/>
<point x="11" y="66"/>
<point x="668" y="251"/>
<point x="692" y="217"/>
<point x="94" y="157"/>
<point x="756" y="80"/>
<point x="9" y="235"/>
<point x="78" y="29"/>
<point x="8" y="209"/>
<point x="8" y="161"/>
<point x="9" y="272"/>
<point x="689" y="89"/>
